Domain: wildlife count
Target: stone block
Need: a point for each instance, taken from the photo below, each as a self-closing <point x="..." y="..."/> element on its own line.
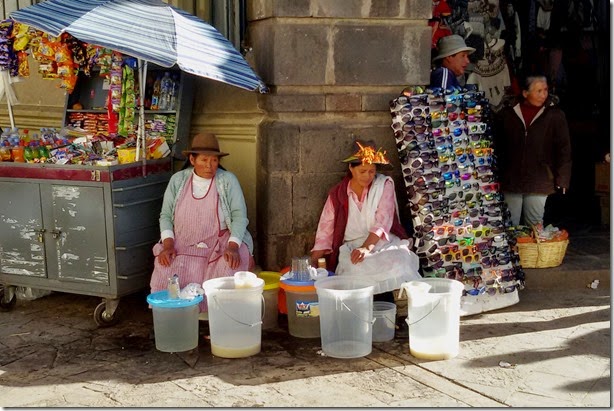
<point x="324" y="146"/>
<point x="278" y="250"/>
<point x="416" y="9"/>
<point x="378" y="101"/>
<point x="343" y="102"/>
<point x="292" y="102"/>
<point x="309" y="195"/>
<point x="291" y="54"/>
<point x="275" y="191"/>
<point x="384" y="8"/>
<point x="278" y="146"/>
<point x="413" y="9"/>
<point x="381" y="54"/>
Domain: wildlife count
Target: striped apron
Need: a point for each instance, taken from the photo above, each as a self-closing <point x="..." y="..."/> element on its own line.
<point x="199" y="243"/>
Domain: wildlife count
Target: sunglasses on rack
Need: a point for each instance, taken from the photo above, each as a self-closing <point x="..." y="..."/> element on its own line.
<point x="449" y="175"/>
<point x="412" y="100"/>
<point x="490" y="188"/>
<point x="479" y="144"/>
<point x="470" y="186"/>
<point x="480" y="232"/>
<point x="475" y="128"/>
<point x="406" y="136"/>
<point x="453" y="115"/>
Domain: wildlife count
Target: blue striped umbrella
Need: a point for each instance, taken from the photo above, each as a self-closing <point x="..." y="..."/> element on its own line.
<point x="150" y="30"/>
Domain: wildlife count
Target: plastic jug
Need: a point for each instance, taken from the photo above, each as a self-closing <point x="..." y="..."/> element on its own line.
<point x="175" y="321"/>
<point x="433" y="317"/>
<point x="346" y="315"/>
<point x="235" y="314"/>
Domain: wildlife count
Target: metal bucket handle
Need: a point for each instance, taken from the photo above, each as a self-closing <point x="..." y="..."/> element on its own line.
<point x="343" y="304"/>
<point x="386" y="318"/>
<point x="425" y="315"/>
<point x="241" y="322"/>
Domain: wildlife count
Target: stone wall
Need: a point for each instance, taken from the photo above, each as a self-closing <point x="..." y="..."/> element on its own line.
<point x="332" y="67"/>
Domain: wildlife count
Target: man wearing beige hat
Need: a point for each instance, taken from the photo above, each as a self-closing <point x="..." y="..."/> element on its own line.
<point x="452" y="58"/>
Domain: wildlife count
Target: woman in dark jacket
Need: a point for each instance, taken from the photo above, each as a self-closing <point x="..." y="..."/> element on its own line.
<point x="534" y="151"/>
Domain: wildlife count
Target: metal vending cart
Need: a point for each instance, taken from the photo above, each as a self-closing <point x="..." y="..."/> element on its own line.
<point x="80" y="229"/>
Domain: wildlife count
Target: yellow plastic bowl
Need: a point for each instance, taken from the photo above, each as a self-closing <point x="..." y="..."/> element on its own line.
<point x="271" y="279"/>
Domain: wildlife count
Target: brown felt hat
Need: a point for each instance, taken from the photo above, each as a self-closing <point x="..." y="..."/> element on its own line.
<point x="205" y="143"/>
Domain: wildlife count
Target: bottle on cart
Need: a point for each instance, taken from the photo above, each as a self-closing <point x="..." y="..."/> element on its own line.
<point x="5" y="151"/>
<point x="27" y="152"/>
<point x="175" y="94"/>
<point x="6" y="132"/>
<point x="25" y="136"/>
<point x="14" y="137"/>
<point x="35" y="151"/>
<point x="166" y="91"/>
<point x="155" y="96"/>
<point x="44" y="153"/>
<point x="173" y="287"/>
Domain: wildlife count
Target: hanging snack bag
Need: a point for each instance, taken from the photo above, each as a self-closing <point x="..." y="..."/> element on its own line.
<point x="105" y="60"/>
<point x="21" y="36"/>
<point x="24" y="66"/>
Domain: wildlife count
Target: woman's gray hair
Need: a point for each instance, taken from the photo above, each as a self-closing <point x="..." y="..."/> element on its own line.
<point x="529" y="80"/>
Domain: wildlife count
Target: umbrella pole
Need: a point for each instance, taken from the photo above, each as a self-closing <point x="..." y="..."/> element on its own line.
<point x="141" y="139"/>
<point x="10" y="114"/>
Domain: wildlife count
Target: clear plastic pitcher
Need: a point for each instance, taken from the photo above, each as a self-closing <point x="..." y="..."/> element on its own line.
<point x="433" y="317"/>
<point x="235" y="314"/>
<point x="346" y="316"/>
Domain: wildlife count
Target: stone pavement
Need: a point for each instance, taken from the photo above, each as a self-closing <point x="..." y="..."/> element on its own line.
<point x="557" y="339"/>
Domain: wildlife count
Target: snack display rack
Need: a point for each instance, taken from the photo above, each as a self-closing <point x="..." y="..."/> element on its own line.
<point x="88" y="227"/>
<point x="460" y="220"/>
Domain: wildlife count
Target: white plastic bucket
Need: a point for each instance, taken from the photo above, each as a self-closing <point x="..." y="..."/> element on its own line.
<point x="175" y="322"/>
<point x="235" y="315"/>
<point x="346" y="316"/>
<point x="433" y="317"/>
<point x="384" y="315"/>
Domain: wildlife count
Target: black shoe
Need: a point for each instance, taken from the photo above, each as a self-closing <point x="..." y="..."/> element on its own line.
<point x="401" y="329"/>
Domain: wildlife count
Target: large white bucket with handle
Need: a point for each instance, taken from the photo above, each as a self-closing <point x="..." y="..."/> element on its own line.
<point x="433" y="317"/>
<point x="235" y="314"/>
<point x="346" y="316"/>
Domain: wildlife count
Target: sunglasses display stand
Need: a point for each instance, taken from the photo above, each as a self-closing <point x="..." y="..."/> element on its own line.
<point x="460" y="220"/>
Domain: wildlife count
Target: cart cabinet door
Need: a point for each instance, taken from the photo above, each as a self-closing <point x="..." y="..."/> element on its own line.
<point x="77" y="223"/>
<point x="22" y="247"/>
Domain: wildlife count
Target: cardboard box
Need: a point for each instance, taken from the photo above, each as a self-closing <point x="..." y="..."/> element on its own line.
<point x="602" y="177"/>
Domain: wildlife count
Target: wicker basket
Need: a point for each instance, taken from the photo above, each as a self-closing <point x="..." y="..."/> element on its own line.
<point x="542" y="254"/>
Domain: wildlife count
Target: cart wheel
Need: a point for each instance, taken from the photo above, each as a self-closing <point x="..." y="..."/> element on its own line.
<point x="7" y="305"/>
<point x="103" y="318"/>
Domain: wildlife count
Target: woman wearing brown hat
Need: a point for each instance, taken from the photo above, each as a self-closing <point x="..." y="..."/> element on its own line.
<point x="203" y="222"/>
<point x="359" y="232"/>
